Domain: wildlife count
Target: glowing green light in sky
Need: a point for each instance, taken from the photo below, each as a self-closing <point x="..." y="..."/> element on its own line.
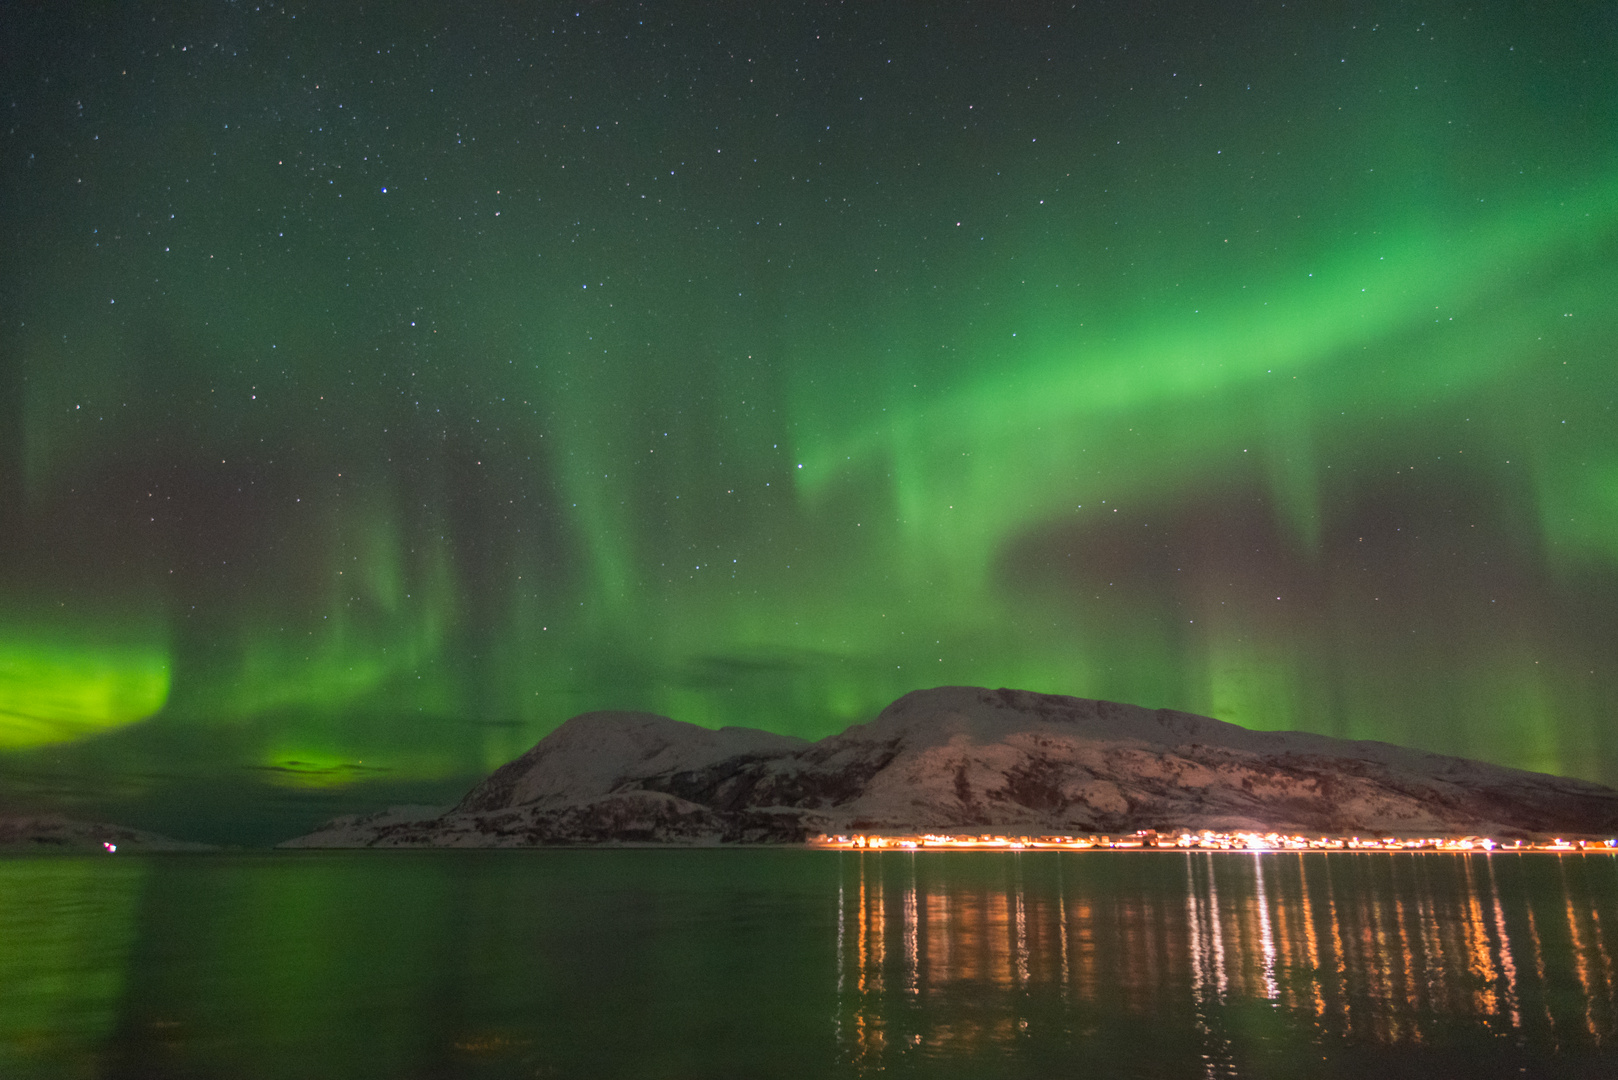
<point x="1274" y="388"/>
<point x="53" y="693"/>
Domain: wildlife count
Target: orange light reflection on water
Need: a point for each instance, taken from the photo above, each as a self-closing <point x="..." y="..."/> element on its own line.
<point x="1363" y="948"/>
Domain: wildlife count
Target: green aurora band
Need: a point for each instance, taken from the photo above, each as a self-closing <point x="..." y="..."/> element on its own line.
<point x="377" y="393"/>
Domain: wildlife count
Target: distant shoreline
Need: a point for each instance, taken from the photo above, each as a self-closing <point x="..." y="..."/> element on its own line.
<point x="1252" y="842"/>
<point x="52" y="852"/>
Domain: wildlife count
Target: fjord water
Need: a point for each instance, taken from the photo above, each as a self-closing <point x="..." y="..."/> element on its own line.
<point x="795" y="963"/>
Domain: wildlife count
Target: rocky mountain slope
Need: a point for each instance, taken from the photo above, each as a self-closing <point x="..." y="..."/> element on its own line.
<point x="966" y="759"/>
<point x="52" y="833"/>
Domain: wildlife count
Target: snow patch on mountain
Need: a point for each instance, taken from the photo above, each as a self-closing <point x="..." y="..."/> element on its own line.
<point x="968" y="759"/>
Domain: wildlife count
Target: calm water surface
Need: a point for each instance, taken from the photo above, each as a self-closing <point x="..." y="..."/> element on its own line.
<point x="766" y="963"/>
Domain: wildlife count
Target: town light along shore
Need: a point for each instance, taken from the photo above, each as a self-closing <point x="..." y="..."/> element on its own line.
<point x="1206" y="841"/>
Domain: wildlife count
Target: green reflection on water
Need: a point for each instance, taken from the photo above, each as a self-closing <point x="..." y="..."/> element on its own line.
<point x="67" y="925"/>
<point x="803" y="963"/>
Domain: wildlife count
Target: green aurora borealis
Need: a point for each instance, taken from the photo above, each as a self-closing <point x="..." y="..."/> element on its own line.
<point x="380" y="387"/>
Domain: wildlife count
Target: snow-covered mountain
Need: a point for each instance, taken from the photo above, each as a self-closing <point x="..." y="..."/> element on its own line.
<point x="965" y="759"/>
<point x="37" y="834"/>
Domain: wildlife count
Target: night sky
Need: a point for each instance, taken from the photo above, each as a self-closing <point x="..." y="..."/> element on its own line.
<point x="382" y="385"/>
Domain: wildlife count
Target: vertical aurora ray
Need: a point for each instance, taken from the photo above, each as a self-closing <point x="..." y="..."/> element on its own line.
<point x="368" y="411"/>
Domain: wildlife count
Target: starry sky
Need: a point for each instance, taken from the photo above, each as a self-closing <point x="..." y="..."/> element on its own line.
<point x="382" y="385"/>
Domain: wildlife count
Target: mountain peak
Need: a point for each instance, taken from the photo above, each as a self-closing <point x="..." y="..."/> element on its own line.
<point x="596" y="753"/>
<point x="965" y="758"/>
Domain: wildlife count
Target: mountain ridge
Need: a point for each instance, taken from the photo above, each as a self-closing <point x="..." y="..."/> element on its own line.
<point x="968" y="759"/>
<point x="55" y="833"/>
